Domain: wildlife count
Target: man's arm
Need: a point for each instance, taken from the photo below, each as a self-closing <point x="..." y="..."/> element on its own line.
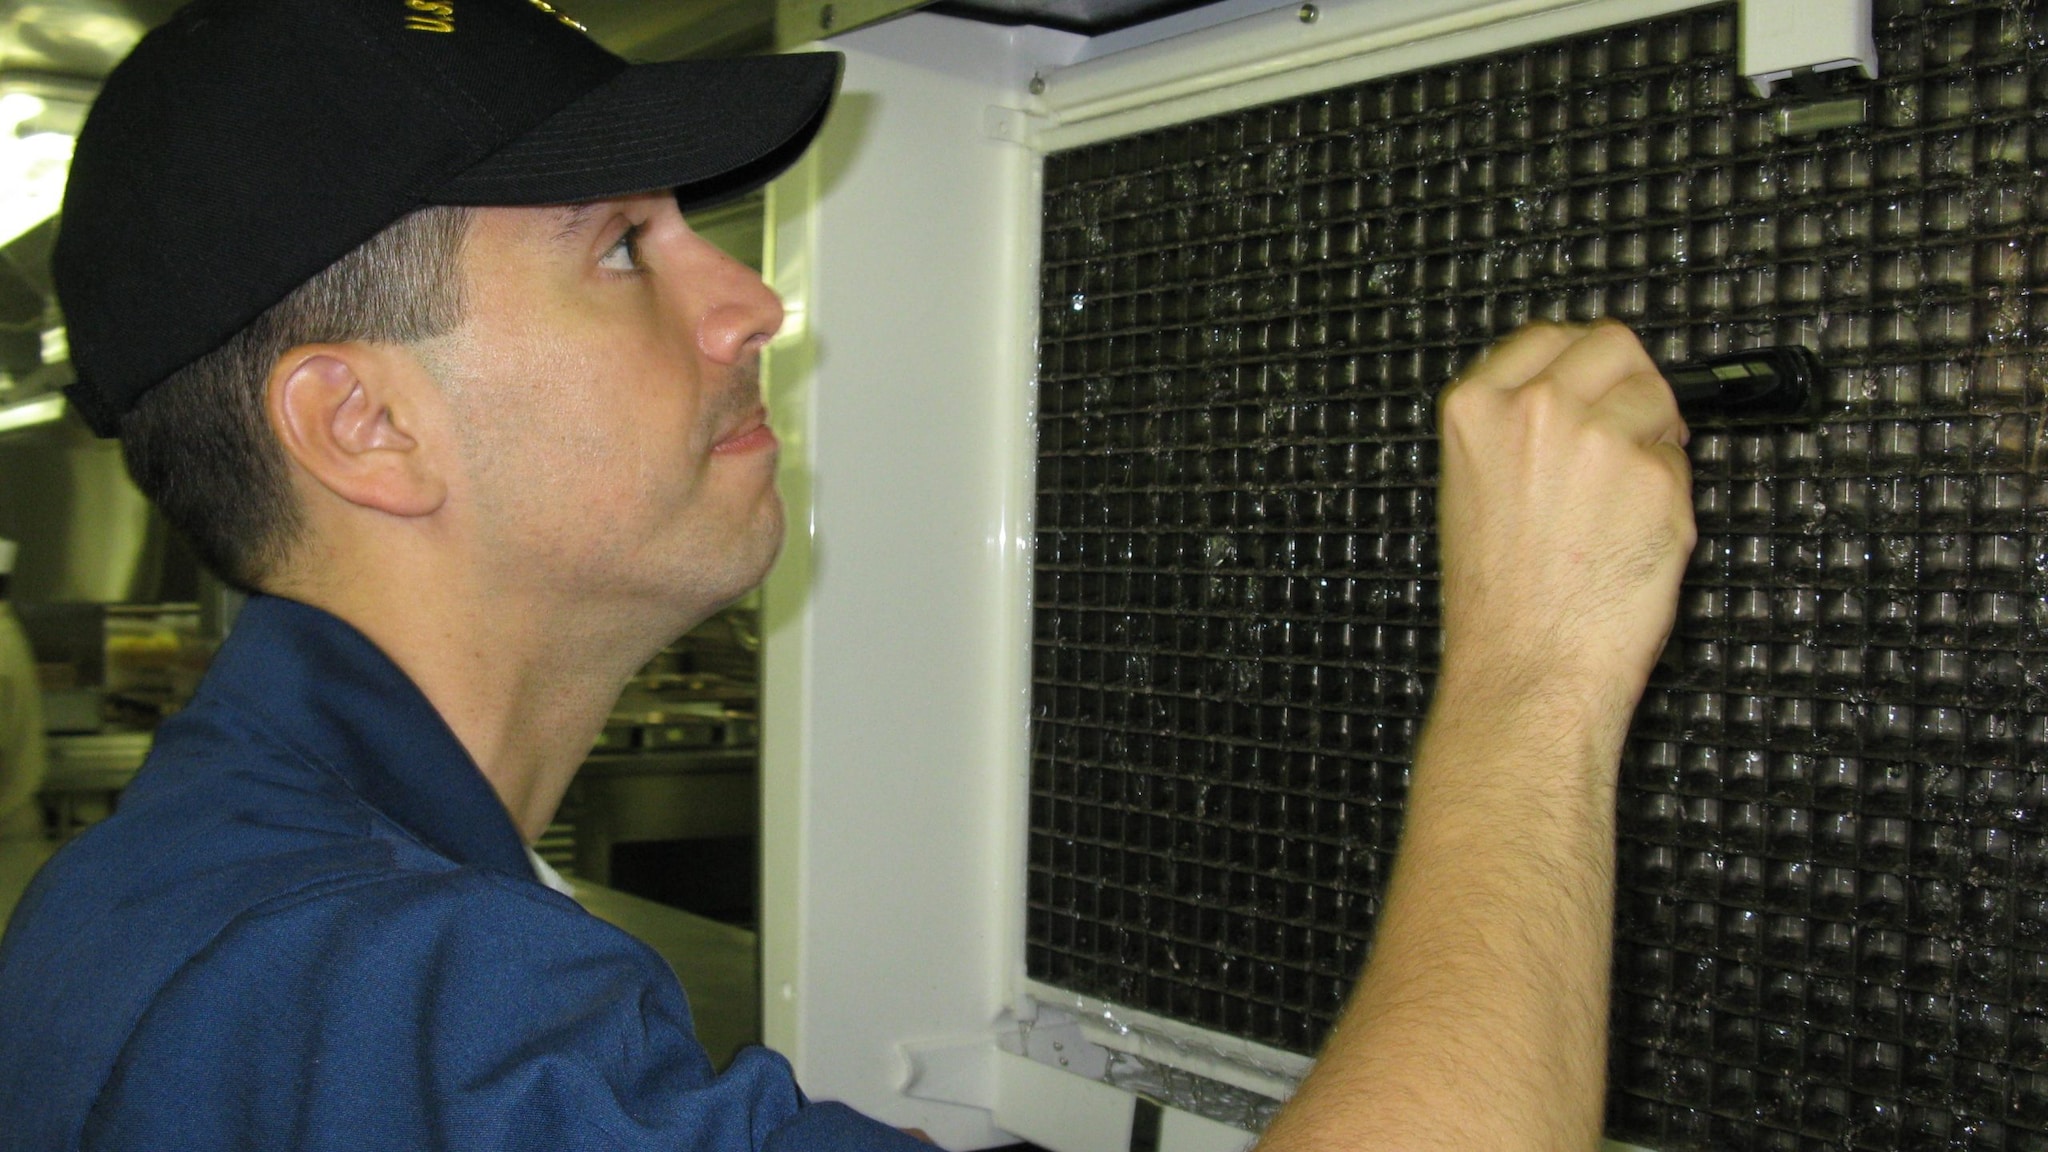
<point x="1565" y="519"/>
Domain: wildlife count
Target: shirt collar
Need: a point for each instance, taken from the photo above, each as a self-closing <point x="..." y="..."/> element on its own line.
<point x="325" y="690"/>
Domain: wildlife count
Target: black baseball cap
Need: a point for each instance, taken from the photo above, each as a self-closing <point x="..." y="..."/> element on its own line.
<point x="246" y="145"/>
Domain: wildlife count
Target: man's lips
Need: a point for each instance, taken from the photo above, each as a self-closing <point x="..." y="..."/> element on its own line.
<point x="752" y="435"/>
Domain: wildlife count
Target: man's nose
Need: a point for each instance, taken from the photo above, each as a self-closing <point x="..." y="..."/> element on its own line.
<point x="745" y="314"/>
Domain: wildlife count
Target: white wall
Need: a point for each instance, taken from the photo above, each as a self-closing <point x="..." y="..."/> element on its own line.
<point x="893" y="675"/>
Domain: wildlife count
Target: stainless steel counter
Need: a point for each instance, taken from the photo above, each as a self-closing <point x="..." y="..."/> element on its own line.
<point x="86" y="775"/>
<point x="674" y="795"/>
<point x="103" y="761"/>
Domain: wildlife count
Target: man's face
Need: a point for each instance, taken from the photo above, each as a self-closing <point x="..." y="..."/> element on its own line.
<point x="606" y="382"/>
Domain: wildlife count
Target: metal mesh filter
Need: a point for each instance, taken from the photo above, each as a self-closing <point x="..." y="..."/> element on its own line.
<point x="1833" y="923"/>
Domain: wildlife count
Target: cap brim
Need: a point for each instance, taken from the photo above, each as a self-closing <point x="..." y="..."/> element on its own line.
<point x="712" y="130"/>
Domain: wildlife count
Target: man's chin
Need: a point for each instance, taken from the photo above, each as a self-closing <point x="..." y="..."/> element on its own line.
<point x="762" y="548"/>
<point x="774" y="531"/>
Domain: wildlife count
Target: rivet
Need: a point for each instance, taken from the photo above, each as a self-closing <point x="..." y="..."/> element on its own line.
<point x="825" y="17"/>
<point x="1308" y="13"/>
<point x="1037" y="85"/>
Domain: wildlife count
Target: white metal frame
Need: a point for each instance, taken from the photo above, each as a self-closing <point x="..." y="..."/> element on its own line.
<point x="897" y="665"/>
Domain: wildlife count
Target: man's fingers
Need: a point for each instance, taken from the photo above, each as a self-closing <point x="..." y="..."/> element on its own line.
<point x="1588" y="368"/>
<point x="1642" y="406"/>
<point x="1512" y="362"/>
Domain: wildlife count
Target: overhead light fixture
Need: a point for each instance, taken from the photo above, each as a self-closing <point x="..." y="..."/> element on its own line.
<point x="44" y="409"/>
<point x="39" y="121"/>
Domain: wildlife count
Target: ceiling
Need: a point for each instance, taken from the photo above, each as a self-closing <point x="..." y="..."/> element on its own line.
<point x="73" y="37"/>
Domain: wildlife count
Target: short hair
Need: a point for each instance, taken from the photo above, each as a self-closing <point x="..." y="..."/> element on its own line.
<point x="199" y="445"/>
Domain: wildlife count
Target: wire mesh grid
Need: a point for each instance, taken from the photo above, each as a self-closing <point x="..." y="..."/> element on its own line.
<point x="1833" y="918"/>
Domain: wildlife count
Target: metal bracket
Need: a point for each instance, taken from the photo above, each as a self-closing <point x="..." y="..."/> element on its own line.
<point x="953" y="1070"/>
<point x="1055" y="1038"/>
<point x="1783" y="38"/>
<point x="802" y="21"/>
<point x="962" y="1069"/>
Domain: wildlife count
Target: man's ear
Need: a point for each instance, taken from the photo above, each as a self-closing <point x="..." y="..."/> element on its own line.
<point x="349" y="416"/>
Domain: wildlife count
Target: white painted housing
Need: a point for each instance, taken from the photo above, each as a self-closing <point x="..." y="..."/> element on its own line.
<point x="897" y="649"/>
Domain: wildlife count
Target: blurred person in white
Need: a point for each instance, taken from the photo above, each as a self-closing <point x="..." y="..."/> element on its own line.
<point x="22" y="761"/>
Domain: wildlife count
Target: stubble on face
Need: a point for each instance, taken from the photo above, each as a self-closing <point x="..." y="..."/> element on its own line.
<point x="589" y="469"/>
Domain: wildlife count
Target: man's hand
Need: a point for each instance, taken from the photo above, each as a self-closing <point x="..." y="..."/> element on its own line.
<point x="1565" y="521"/>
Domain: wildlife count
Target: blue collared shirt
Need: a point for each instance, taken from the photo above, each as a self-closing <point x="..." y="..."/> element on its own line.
<point x="312" y="925"/>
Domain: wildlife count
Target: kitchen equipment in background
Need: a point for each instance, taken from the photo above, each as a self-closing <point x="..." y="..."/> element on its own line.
<point x="667" y="805"/>
<point x="87" y="534"/>
<point x="70" y="644"/>
<point x="88" y="770"/>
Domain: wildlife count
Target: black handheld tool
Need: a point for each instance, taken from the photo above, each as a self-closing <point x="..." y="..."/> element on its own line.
<point x="1760" y="384"/>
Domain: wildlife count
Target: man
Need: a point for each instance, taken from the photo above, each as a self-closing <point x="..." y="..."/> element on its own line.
<point x="485" y="460"/>
<point x="518" y="449"/>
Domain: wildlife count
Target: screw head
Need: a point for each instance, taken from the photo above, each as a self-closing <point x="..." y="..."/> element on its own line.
<point x="1308" y="13"/>
<point x="825" y="17"/>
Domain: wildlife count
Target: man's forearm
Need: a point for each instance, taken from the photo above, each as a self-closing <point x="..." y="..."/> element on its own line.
<point x="1481" y="1020"/>
<point x="1564" y="518"/>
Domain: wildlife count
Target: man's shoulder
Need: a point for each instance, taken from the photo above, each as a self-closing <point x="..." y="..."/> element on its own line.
<point x="229" y="820"/>
<point x="221" y="816"/>
<point x="212" y="832"/>
<point x="233" y="884"/>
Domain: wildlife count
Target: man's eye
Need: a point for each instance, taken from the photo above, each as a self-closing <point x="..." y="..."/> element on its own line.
<point x="623" y="256"/>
